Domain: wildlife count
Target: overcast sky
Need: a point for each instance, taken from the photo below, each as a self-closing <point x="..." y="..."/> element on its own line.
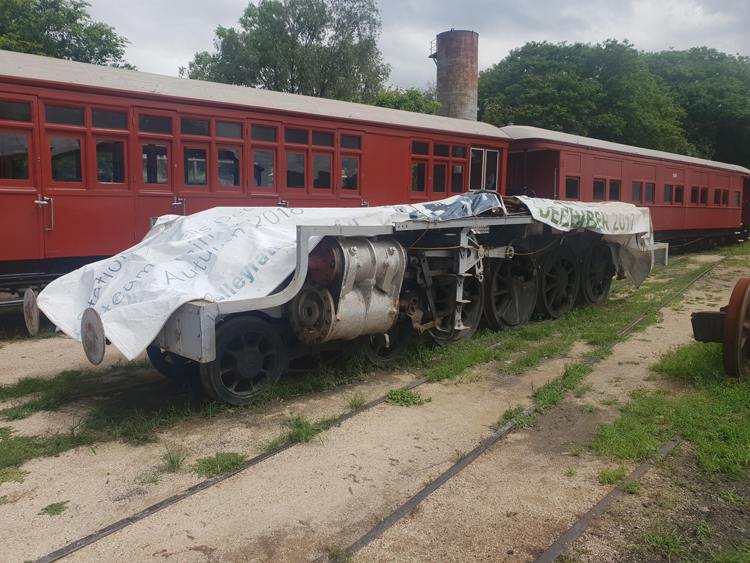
<point x="165" y="34"/>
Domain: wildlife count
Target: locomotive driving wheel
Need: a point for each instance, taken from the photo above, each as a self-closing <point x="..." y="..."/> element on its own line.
<point x="385" y="348"/>
<point x="596" y="274"/>
<point x="736" y="345"/>
<point x="558" y="282"/>
<point x="471" y="314"/>
<point x="510" y="292"/>
<point x="250" y="357"/>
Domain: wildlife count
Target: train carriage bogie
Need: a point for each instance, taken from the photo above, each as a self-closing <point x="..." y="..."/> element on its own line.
<point x="172" y="366"/>
<point x="250" y="358"/>
<point x="559" y="278"/>
<point x="470" y="310"/>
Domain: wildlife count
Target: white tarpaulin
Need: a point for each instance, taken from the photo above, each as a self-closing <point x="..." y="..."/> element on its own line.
<point x="225" y="253"/>
<point x="622" y="223"/>
<point x="230" y="254"/>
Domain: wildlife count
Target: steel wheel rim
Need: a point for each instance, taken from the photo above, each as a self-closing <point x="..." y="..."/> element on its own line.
<point x="595" y="278"/>
<point x="736" y="346"/>
<point x="559" y="287"/>
<point x="248" y="363"/>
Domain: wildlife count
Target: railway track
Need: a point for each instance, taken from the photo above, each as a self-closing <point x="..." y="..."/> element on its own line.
<point x="399" y="513"/>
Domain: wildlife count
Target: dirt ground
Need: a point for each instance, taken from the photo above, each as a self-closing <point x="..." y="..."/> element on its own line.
<point x="509" y="505"/>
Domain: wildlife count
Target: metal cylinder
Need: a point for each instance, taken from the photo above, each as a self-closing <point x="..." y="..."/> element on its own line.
<point x="457" y="58"/>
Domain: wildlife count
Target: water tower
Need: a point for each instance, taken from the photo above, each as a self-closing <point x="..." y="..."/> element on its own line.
<point x="456" y="55"/>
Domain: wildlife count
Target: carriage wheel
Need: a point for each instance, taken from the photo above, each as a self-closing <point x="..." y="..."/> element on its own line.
<point x="558" y="282"/>
<point x="471" y="313"/>
<point x="385" y="348"/>
<point x="736" y="346"/>
<point x="172" y="366"/>
<point x="596" y="274"/>
<point x="510" y="292"/>
<point x="250" y="357"/>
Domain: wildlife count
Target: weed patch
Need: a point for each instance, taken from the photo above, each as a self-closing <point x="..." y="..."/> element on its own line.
<point x="219" y="464"/>
<point x="15" y="475"/>
<point x="608" y="476"/>
<point x="55" y="509"/>
<point x="406" y="398"/>
<point x="173" y="460"/>
<point x="356" y="401"/>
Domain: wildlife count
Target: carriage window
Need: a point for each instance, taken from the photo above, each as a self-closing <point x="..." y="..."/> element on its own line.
<point x="267" y="134"/>
<point x="650" y="193"/>
<point x="717" y="197"/>
<point x="694" y="195"/>
<point x="64" y="115"/>
<point x="475" y="172"/>
<point x="110" y="162"/>
<point x="636" y="196"/>
<point x="490" y="173"/>
<point x="194" y="127"/>
<point x="418" y="176"/>
<point x="14" y="156"/>
<point x="228" y="130"/>
<point x="155" y="124"/>
<point x="322" y="172"/>
<point x="349" y="173"/>
<point x="351" y="142"/>
<point x="229" y="167"/>
<point x="736" y="198"/>
<point x="109" y="119"/>
<point x="195" y="166"/>
<point x="614" y="191"/>
<point x="298" y="136"/>
<point x="263" y="168"/>
<point x="420" y="148"/>
<point x="704" y="196"/>
<point x="678" y="194"/>
<point x="438" y="178"/>
<point x="599" y="190"/>
<point x="725" y="197"/>
<point x="155" y="164"/>
<point x="459" y="152"/>
<point x="15" y="111"/>
<point x="440" y="150"/>
<point x="457" y="179"/>
<point x="295" y="170"/>
<point x="322" y="139"/>
<point x="66" y="159"/>
<point x="667" y="194"/>
<point x="571" y="188"/>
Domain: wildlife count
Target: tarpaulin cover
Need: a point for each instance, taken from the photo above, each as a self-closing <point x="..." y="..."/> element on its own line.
<point x="622" y="223"/>
<point x="227" y="254"/>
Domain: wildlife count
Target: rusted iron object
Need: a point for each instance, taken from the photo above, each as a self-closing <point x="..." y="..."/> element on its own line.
<point x="729" y="326"/>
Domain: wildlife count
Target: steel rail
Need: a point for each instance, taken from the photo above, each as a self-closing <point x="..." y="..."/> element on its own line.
<point x="381" y="527"/>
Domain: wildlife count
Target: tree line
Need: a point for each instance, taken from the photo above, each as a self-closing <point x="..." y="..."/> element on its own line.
<point x="692" y="102"/>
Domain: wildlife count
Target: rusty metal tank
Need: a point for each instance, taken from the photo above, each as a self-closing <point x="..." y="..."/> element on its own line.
<point x="456" y="55"/>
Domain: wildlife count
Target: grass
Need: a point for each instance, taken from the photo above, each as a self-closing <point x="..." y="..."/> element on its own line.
<point x="299" y="429"/>
<point x="581" y="390"/>
<point x="570" y="472"/>
<point x="357" y="401"/>
<point x="15" y="475"/>
<point x="406" y="398"/>
<point x="219" y="464"/>
<point x="608" y="476"/>
<point x="714" y="415"/>
<point x="173" y="460"/>
<point x="668" y="544"/>
<point x="152" y="478"/>
<point x="730" y="497"/>
<point x="633" y="487"/>
<point x="55" y="508"/>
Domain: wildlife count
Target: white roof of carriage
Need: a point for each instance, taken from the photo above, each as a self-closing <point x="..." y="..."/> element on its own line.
<point x="522" y="132"/>
<point x="20" y="65"/>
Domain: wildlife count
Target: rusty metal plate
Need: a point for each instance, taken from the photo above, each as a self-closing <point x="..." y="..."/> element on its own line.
<point x="92" y="336"/>
<point x="737" y="331"/>
<point x="31" y="312"/>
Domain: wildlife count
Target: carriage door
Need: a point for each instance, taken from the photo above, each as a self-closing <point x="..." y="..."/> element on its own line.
<point x="154" y="168"/>
<point x="485" y="167"/>
<point x="84" y="165"/>
<point x="20" y="188"/>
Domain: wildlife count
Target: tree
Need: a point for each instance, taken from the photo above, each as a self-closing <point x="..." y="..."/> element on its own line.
<point x="713" y="89"/>
<point x="605" y="91"/>
<point x="61" y="29"/>
<point x="411" y="99"/>
<point x="323" y="48"/>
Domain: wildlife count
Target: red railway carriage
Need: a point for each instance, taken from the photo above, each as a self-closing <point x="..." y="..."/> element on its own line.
<point x="687" y="196"/>
<point x="88" y="154"/>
